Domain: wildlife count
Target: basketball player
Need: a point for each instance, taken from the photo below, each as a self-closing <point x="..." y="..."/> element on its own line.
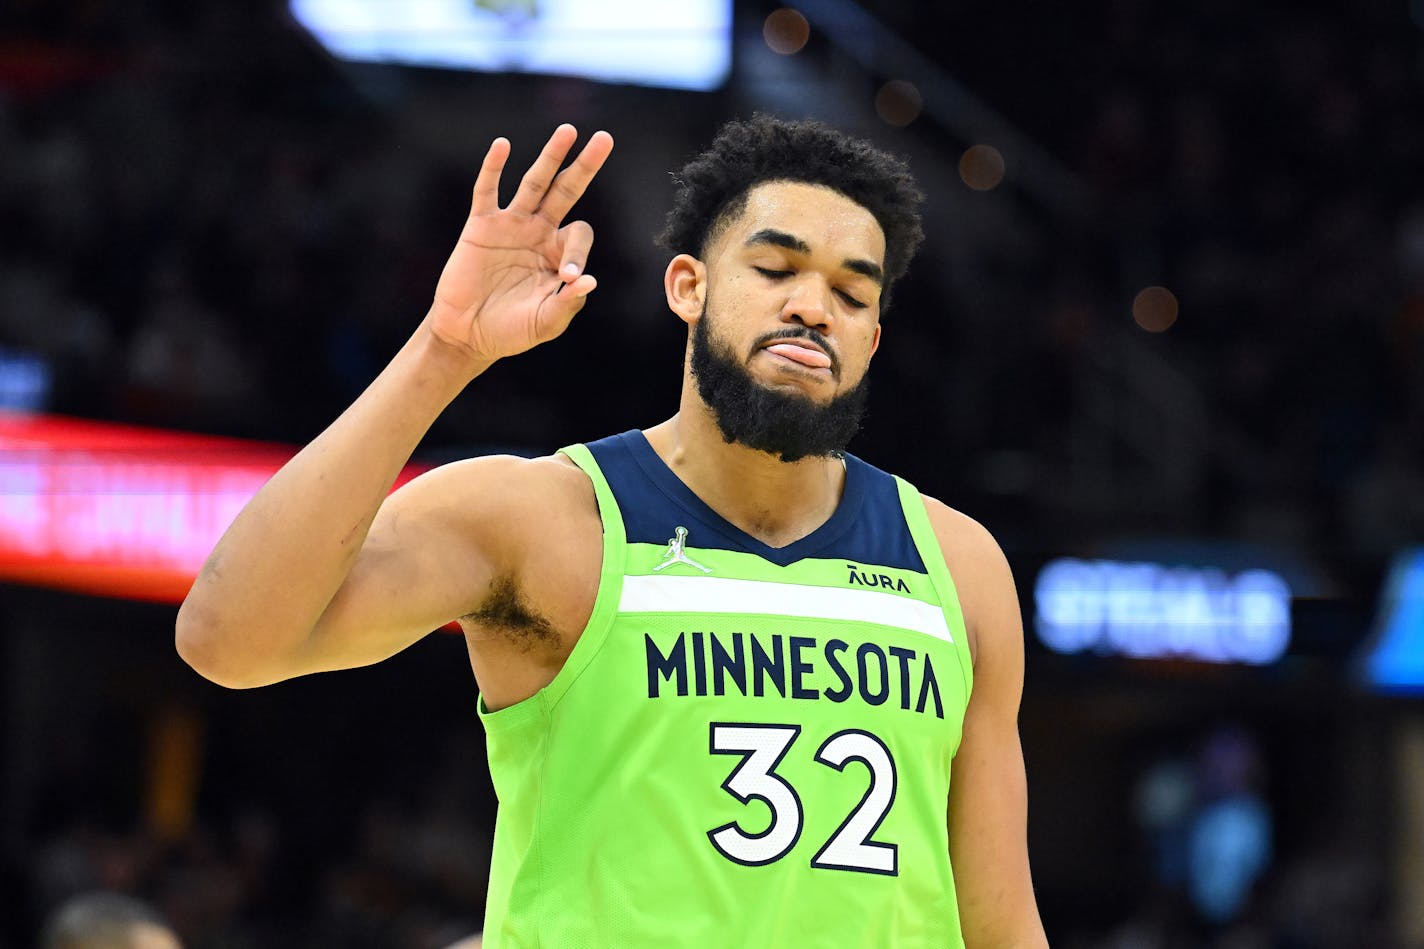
<point x="740" y="687"/>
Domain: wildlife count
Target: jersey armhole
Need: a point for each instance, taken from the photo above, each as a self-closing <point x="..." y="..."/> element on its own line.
<point x="917" y="518"/>
<point x="610" y="578"/>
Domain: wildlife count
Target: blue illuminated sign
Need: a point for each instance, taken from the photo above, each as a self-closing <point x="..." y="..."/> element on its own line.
<point x="25" y="381"/>
<point x="1154" y="611"/>
<point x="1395" y="662"/>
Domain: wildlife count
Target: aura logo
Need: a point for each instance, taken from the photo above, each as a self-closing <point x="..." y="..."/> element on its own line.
<point x="860" y="577"/>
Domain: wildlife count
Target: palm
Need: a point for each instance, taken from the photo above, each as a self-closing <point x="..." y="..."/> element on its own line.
<point x="508" y="285"/>
<point x="499" y="285"/>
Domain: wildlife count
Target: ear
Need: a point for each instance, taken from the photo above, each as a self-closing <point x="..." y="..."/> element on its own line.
<point x="875" y="340"/>
<point x="685" y="284"/>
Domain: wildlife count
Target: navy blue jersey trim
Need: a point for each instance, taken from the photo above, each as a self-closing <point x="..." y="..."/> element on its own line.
<point x="868" y="526"/>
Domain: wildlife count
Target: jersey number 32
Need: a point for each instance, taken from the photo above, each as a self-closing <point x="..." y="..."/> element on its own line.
<point x="762" y="748"/>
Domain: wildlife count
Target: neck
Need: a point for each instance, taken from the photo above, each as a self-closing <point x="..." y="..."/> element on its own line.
<point x="775" y="501"/>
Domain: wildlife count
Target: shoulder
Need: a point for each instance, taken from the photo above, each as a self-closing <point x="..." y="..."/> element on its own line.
<point x="533" y="524"/>
<point x="982" y="577"/>
<point x="507" y="501"/>
<point x="508" y="484"/>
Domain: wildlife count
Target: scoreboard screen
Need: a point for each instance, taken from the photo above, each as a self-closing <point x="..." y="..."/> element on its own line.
<point x="683" y="45"/>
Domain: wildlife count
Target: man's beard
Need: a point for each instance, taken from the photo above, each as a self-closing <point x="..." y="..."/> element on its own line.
<point x="786" y="424"/>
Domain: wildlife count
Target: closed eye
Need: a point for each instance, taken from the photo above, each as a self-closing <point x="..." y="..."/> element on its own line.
<point x="851" y="301"/>
<point x="770" y="274"/>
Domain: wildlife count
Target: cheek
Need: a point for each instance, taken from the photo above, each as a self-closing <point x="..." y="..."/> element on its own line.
<point x="736" y="291"/>
<point x="855" y="357"/>
<point x="867" y="341"/>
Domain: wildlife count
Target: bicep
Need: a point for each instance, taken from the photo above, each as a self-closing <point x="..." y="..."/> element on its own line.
<point x="430" y="555"/>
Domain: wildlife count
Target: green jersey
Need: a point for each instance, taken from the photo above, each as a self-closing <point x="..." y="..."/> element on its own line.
<point x="748" y="746"/>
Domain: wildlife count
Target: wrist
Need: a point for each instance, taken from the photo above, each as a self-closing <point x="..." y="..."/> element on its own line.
<point x="442" y="359"/>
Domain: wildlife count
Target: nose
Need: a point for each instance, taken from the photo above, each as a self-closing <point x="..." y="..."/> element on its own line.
<point x="808" y="304"/>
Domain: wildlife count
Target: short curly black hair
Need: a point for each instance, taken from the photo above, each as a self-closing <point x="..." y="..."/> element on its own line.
<point x="712" y="188"/>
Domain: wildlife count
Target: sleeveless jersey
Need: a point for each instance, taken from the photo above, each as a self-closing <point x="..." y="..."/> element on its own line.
<point x="748" y="746"/>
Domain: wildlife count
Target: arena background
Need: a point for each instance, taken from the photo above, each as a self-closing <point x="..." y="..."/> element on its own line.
<point x="1165" y="339"/>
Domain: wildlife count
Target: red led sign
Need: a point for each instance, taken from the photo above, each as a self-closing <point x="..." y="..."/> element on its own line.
<point x="118" y="510"/>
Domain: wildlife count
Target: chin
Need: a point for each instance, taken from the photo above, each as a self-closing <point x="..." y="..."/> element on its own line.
<point x="814" y="388"/>
<point x="810" y="392"/>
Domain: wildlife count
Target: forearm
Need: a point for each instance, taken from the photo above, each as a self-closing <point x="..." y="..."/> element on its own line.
<point x="278" y="566"/>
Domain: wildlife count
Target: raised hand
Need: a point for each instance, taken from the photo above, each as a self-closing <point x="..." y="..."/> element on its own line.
<point x="516" y="277"/>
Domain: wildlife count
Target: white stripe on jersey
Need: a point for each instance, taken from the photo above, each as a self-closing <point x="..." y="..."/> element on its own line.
<point x="682" y="594"/>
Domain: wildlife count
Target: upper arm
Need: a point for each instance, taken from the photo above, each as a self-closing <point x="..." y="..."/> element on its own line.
<point x="988" y="798"/>
<point x="431" y="555"/>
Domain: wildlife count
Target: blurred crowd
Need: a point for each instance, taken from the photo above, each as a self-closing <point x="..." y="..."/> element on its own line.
<point x="1262" y="163"/>
<point x="206" y="228"/>
<point x="210" y="229"/>
<point x="282" y="846"/>
<point x="198" y="235"/>
<point x="409" y="879"/>
<point x="1258" y="161"/>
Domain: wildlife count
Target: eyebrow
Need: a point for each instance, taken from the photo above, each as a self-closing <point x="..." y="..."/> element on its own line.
<point x="770" y="235"/>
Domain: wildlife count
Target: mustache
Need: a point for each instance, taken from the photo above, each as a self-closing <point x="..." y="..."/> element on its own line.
<point x="806" y="333"/>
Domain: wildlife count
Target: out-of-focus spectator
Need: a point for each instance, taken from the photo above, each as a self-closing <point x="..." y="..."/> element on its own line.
<point x="1229" y="841"/>
<point x="107" y="921"/>
<point x="473" y="942"/>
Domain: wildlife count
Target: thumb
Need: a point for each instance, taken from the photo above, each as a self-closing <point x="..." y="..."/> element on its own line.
<point x="560" y="309"/>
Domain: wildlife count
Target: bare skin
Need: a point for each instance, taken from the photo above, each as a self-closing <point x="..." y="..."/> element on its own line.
<point x="322" y="571"/>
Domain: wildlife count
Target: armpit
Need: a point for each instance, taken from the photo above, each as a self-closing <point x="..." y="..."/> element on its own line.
<point x="505" y="613"/>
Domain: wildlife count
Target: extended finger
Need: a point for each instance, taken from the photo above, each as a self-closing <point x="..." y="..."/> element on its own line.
<point x="541" y="174"/>
<point x="569" y="185"/>
<point x="577" y="241"/>
<point x="486" y="195"/>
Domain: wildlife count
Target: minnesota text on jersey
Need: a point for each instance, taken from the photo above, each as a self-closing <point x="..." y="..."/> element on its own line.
<point x="792" y="665"/>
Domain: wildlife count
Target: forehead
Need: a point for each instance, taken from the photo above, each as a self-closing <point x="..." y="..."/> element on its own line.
<point x="822" y="217"/>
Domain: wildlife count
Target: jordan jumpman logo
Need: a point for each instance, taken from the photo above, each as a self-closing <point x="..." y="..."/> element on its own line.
<point x="677" y="553"/>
